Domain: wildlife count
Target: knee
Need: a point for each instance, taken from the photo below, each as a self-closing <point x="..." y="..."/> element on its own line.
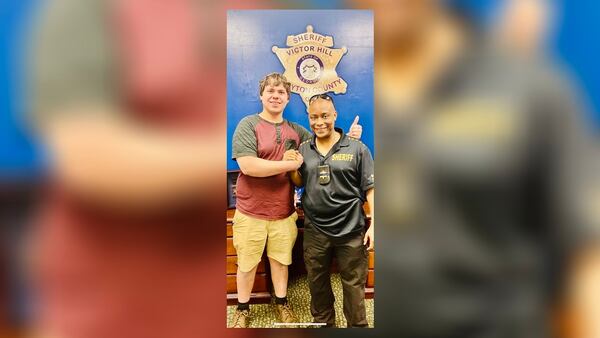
<point x="275" y="264"/>
<point x="355" y="276"/>
<point x="247" y="274"/>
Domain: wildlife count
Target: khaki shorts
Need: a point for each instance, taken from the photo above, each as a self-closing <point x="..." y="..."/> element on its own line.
<point x="250" y="235"/>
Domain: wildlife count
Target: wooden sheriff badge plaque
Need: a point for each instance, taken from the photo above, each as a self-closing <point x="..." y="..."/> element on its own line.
<point x="310" y="62"/>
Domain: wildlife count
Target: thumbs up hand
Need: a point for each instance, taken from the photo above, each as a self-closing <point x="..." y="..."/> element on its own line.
<point x="355" y="129"/>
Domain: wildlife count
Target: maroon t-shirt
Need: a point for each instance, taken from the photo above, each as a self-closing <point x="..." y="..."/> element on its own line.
<point x="269" y="198"/>
<point x="101" y="273"/>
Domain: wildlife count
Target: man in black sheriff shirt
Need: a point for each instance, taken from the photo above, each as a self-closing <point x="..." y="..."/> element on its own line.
<point x="338" y="177"/>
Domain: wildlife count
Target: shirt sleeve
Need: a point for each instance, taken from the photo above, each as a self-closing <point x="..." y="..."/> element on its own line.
<point x="72" y="59"/>
<point x="367" y="169"/>
<point x="303" y="133"/>
<point x="568" y="160"/>
<point x="244" y="142"/>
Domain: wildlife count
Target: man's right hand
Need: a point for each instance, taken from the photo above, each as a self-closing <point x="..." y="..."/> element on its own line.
<point x="290" y="155"/>
<point x="299" y="160"/>
<point x="294" y="156"/>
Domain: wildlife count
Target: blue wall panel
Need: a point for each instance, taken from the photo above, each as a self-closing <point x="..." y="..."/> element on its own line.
<point x="576" y="44"/>
<point x="20" y="156"/>
<point x="252" y="34"/>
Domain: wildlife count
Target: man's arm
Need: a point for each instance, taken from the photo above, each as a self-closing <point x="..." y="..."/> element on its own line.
<point x="258" y="167"/>
<point x="111" y="161"/>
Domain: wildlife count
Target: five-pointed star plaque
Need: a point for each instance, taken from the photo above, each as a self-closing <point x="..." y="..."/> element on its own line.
<point x="310" y="62"/>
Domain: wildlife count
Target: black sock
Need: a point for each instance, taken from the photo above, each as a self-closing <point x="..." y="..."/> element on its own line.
<point x="280" y="301"/>
<point x="243" y="306"/>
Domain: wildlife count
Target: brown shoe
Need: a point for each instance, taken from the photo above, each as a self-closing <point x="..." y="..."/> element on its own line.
<point x="241" y="319"/>
<point x="286" y="314"/>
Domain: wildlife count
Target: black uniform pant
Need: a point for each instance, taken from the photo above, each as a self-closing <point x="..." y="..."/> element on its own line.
<point x="352" y="258"/>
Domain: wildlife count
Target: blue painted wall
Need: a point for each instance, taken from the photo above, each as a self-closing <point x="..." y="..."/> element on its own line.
<point x="250" y="36"/>
<point x="577" y="43"/>
<point x="20" y="156"/>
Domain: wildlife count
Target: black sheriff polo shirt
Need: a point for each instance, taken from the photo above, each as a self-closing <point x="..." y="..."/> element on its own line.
<point x="335" y="208"/>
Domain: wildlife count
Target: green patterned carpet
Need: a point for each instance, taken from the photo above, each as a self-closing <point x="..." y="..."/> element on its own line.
<point x="263" y="315"/>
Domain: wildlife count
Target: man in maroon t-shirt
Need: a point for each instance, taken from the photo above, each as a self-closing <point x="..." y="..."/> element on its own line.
<point x="129" y="111"/>
<point x="264" y="210"/>
<point x="265" y="213"/>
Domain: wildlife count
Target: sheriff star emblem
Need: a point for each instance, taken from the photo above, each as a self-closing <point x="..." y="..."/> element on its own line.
<point x="310" y="62"/>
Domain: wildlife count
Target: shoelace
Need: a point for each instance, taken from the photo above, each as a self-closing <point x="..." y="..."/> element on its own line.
<point x="238" y="318"/>
<point x="288" y="310"/>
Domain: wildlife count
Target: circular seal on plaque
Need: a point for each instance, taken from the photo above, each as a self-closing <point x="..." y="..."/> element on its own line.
<point x="309" y="69"/>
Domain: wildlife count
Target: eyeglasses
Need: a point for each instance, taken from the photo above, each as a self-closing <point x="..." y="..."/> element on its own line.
<point x="320" y="96"/>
